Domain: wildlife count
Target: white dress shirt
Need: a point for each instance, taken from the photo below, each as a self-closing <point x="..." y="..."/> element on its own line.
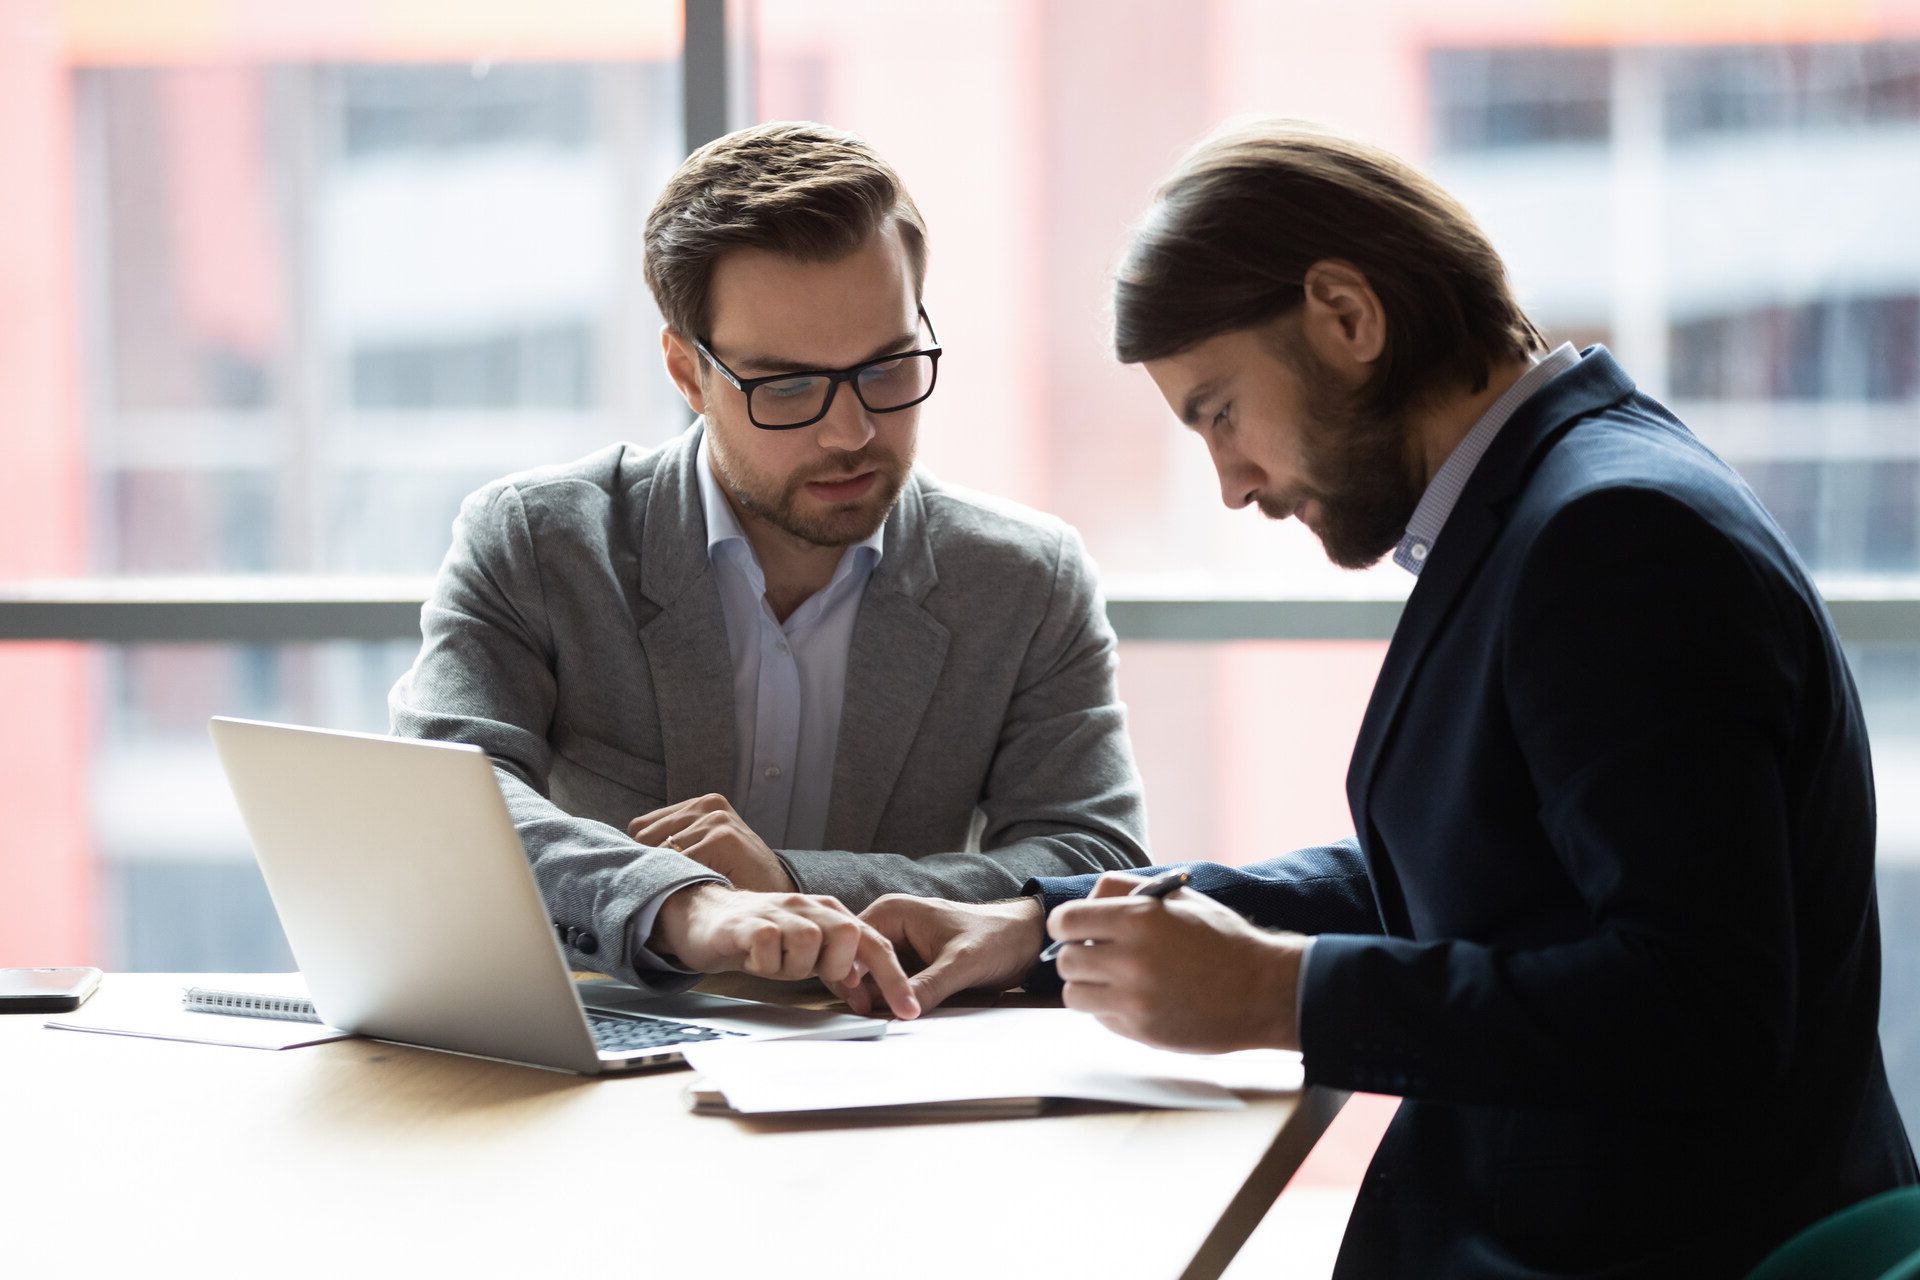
<point x="789" y="684"/>
<point x="789" y="678"/>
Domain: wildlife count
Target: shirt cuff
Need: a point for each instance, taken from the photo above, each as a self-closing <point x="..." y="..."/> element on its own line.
<point x="1300" y="989"/>
<point x="640" y="927"/>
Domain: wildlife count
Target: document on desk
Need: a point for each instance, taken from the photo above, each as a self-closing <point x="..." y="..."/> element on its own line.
<point x="170" y="1022"/>
<point x="954" y="1056"/>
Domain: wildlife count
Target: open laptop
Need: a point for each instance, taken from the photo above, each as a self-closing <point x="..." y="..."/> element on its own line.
<point x="413" y="914"/>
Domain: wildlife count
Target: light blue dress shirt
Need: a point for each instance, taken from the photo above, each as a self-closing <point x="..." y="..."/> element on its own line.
<point x="789" y="678"/>
<point x="789" y="684"/>
<point x="1436" y="504"/>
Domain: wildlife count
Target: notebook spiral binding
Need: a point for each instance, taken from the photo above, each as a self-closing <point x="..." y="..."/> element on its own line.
<point x="247" y="1004"/>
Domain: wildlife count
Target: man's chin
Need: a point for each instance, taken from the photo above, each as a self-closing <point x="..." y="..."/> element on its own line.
<point x="1345" y="546"/>
<point x="1352" y="549"/>
<point x="831" y="534"/>
<point x="1343" y="557"/>
<point x="839" y="524"/>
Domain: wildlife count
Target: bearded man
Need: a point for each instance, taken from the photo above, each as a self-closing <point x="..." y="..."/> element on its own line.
<point x="1607" y="921"/>
<point x="738" y="687"/>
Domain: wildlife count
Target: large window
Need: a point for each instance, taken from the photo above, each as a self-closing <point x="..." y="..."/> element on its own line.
<point x="329" y="300"/>
<point x="282" y="288"/>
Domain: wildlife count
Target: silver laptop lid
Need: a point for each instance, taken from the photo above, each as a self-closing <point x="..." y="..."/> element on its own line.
<point x="405" y="892"/>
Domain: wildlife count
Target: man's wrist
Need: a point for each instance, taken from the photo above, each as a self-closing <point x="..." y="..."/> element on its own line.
<point x="1027" y="917"/>
<point x="1031" y="915"/>
<point x="640" y="925"/>
<point x="672" y="926"/>
<point x="1286" y="951"/>
<point x="786" y="868"/>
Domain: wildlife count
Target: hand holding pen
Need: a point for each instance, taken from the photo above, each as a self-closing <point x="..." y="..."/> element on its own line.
<point x="1158" y="887"/>
<point x="1185" y="973"/>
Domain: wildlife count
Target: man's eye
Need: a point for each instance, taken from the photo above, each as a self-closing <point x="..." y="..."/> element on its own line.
<point x="881" y="372"/>
<point x="1220" y="419"/>
<point x="790" y="389"/>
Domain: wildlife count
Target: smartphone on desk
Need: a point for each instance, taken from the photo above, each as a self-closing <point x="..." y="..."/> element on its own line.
<point x="57" y="990"/>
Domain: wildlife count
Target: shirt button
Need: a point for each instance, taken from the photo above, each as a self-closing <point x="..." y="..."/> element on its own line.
<point x="773" y="771"/>
<point x="1418" y="551"/>
<point x="782" y="646"/>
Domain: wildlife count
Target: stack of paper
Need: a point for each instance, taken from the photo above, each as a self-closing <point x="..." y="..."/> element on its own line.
<point x="1002" y="1061"/>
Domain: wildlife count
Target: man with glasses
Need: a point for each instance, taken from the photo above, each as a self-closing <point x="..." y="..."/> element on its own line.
<point x="739" y="687"/>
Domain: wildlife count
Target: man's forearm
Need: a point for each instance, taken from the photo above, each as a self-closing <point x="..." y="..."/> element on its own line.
<point x="990" y="876"/>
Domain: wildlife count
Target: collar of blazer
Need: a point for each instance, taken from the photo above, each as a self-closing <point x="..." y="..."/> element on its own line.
<point x="1593" y="384"/>
<point x="893" y="662"/>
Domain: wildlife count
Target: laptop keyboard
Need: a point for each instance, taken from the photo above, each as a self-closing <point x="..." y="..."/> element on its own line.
<point x="623" y="1035"/>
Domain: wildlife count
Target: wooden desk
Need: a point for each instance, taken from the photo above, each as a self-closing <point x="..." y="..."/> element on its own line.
<point x="137" y="1157"/>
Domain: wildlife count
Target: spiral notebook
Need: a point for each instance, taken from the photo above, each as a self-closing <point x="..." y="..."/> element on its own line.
<point x="276" y="1014"/>
<point x="283" y="999"/>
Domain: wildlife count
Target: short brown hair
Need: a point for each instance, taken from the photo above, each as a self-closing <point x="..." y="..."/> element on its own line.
<point x="1231" y="234"/>
<point x="793" y="187"/>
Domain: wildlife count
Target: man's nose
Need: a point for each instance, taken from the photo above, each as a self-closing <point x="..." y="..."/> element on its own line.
<point x="1239" y="480"/>
<point x="848" y="426"/>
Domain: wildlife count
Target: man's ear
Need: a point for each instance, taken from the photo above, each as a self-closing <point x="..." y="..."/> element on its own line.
<point x="683" y="366"/>
<point x="1342" y="318"/>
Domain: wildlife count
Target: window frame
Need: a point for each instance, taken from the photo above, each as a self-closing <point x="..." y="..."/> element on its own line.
<point x="305" y="609"/>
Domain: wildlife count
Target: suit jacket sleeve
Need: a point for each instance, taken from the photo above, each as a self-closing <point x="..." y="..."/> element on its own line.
<point x="485" y="676"/>
<point x="1062" y="795"/>
<point x="1321" y="889"/>
<point x="1651" y="669"/>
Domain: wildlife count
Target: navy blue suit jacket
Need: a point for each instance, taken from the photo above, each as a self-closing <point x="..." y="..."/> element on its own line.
<point x="1609" y="922"/>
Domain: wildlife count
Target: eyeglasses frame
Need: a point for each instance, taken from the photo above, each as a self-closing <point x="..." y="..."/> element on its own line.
<point x="850" y="374"/>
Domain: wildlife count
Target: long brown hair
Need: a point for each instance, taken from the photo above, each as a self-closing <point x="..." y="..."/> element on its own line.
<point x="1231" y="234"/>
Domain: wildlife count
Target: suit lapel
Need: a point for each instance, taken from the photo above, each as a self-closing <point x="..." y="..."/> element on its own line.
<point x="893" y="666"/>
<point x="681" y="628"/>
<point x="1470" y="532"/>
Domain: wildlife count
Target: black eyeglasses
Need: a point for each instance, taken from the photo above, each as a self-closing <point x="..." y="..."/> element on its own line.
<point x="885" y="384"/>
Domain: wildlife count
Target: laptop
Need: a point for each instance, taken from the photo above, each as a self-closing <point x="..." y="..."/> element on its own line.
<point x="413" y="913"/>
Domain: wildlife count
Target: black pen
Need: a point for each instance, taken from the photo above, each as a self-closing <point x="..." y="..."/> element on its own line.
<point x="1158" y="887"/>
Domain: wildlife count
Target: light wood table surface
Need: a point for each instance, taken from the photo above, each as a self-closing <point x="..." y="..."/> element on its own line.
<point x="130" y="1157"/>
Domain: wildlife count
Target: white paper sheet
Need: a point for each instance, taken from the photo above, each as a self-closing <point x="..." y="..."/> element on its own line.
<point x="959" y="1054"/>
<point x="170" y="1022"/>
<point x="1079" y="1036"/>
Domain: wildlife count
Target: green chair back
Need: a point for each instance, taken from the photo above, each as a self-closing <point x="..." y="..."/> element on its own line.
<point x="1877" y="1239"/>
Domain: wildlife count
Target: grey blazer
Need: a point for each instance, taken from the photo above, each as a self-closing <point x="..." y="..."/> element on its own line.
<point x="575" y="633"/>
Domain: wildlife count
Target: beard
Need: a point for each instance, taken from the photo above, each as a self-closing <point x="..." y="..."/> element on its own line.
<point x="795" y="512"/>
<point x="1361" y="466"/>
